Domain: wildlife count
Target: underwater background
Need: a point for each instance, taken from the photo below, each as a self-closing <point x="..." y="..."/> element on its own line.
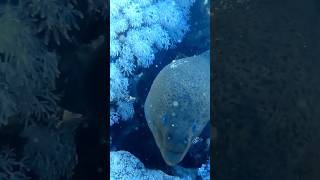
<point x="139" y="49"/>
<point x="53" y="89"/>
<point x="54" y="80"/>
<point x="267" y="80"/>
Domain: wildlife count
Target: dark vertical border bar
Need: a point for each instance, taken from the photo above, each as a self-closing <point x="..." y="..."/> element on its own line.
<point x="107" y="91"/>
<point x="212" y="86"/>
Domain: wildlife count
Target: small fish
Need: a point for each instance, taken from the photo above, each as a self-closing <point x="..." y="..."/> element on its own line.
<point x="69" y="117"/>
<point x="131" y="98"/>
<point x="196" y="140"/>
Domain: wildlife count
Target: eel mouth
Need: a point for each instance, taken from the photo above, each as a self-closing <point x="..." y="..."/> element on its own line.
<point x="172" y="150"/>
<point x="172" y="157"/>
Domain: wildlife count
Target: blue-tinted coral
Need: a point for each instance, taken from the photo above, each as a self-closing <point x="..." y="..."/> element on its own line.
<point x="138" y="30"/>
<point x="126" y="166"/>
<point x="10" y="167"/>
<point x="204" y="171"/>
<point x="114" y="118"/>
<point x="125" y="109"/>
<point x="119" y="84"/>
<point x="99" y="6"/>
<point x="28" y="101"/>
<point x="55" y="18"/>
<point x="27" y="70"/>
<point x="50" y="152"/>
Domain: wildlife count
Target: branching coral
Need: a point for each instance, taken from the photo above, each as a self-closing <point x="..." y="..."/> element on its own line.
<point x="114" y="118"/>
<point x="57" y="17"/>
<point x="99" y="6"/>
<point x="27" y="70"/>
<point x="10" y="167"/>
<point x="126" y="166"/>
<point x="28" y="95"/>
<point x="204" y="171"/>
<point x="50" y="152"/>
<point x="139" y="29"/>
<point x="119" y="84"/>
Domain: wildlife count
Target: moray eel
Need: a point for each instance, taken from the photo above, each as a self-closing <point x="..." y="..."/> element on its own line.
<point x="177" y="107"/>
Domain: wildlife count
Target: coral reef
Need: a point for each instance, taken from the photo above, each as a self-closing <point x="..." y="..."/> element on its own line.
<point x="138" y="30"/>
<point x="54" y="18"/>
<point x="146" y="35"/>
<point x="32" y="111"/>
<point x="126" y="166"/>
<point x="204" y="171"/>
<point x="10" y="167"/>
<point x="50" y="152"/>
<point x="27" y="70"/>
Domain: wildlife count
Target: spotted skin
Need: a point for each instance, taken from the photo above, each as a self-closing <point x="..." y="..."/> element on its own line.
<point x="177" y="107"/>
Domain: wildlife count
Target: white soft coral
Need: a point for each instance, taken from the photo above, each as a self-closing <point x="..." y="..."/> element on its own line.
<point x="138" y="29"/>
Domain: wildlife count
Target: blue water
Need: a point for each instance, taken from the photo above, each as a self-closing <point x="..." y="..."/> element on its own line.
<point x="134" y="135"/>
